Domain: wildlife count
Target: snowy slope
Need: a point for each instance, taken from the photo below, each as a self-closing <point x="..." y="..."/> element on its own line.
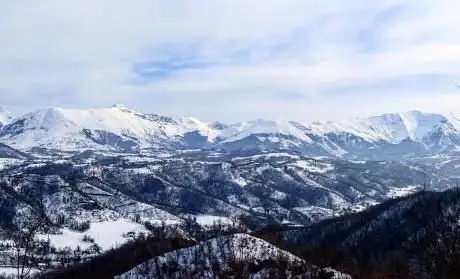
<point x="105" y="128"/>
<point x="401" y="134"/>
<point x="388" y="127"/>
<point x="216" y="257"/>
<point x="392" y="128"/>
<point x="244" y="129"/>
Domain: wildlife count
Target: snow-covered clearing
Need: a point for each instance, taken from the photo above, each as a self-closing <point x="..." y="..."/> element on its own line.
<point x="107" y="235"/>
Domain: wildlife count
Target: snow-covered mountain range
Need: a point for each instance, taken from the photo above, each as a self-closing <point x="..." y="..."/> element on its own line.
<point x="102" y="176"/>
<point x="119" y="129"/>
<point x="114" y="128"/>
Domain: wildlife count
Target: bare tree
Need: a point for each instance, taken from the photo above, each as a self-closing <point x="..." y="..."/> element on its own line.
<point x="24" y="244"/>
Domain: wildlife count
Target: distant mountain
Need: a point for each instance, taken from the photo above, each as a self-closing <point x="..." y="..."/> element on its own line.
<point x="116" y="128"/>
<point x="389" y="136"/>
<point x="119" y="129"/>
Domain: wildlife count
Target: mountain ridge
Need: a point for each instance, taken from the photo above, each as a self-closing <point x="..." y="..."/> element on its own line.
<point x="120" y="129"/>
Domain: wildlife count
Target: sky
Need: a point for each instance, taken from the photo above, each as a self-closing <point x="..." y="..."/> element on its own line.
<point x="232" y="60"/>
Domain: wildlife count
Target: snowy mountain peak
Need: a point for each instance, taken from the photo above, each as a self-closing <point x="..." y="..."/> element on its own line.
<point x="260" y="126"/>
<point x="123" y="108"/>
<point x="391" y="127"/>
<point x="46" y="119"/>
<point x="419" y="123"/>
<point x="5" y="116"/>
<point x="194" y="124"/>
<point x="74" y="129"/>
<point x="118" y="106"/>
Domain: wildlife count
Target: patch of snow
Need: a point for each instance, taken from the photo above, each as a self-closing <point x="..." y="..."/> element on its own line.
<point x="277" y="195"/>
<point x="315" y="213"/>
<point x="240" y="181"/>
<point x="313" y="166"/>
<point x="107" y="235"/>
<point x="266" y="155"/>
<point x="12" y="271"/>
<point x="396" y="192"/>
<point x="209" y="220"/>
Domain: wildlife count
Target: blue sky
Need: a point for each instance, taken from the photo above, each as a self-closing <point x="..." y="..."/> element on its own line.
<point x="232" y="60"/>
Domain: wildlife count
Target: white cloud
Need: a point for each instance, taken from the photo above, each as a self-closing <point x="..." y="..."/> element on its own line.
<point x="258" y="54"/>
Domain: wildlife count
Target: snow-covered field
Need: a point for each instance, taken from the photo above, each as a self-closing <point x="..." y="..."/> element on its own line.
<point x="403" y="191"/>
<point x="209" y="220"/>
<point x="106" y="235"/>
<point x="12" y="271"/>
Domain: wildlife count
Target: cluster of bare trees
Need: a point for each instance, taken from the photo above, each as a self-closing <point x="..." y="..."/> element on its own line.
<point x="25" y="244"/>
